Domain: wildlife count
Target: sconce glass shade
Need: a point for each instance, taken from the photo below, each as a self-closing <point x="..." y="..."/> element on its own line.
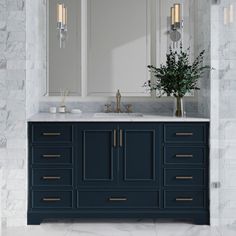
<point x="172" y="15"/>
<point x="59" y="13"/>
<point x="177" y="13"/>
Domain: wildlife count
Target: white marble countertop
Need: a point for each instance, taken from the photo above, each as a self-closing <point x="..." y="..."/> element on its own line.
<point x="90" y="117"/>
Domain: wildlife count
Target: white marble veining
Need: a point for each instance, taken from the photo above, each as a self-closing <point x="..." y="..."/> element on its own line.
<point x="91" y="117"/>
<point x="121" y="228"/>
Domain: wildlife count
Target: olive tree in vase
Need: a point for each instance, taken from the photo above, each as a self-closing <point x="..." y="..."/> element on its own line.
<point x="178" y="76"/>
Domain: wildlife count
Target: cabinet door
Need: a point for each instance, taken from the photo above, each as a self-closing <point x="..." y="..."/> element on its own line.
<point x="97" y="150"/>
<point x="139" y="154"/>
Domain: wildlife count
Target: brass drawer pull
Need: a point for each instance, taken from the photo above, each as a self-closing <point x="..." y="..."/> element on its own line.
<point x="121" y="138"/>
<point x="51" y="134"/>
<point x="117" y="199"/>
<point x="45" y="199"/>
<point x="51" y="177"/>
<point x="184" y="156"/>
<point x="184" y="199"/>
<point x="184" y="177"/>
<point x="184" y="134"/>
<point x="115" y="136"/>
<point x="51" y="156"/>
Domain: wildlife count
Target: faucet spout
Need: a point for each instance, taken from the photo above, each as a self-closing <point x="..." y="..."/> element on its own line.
<point x="118" y="101"/>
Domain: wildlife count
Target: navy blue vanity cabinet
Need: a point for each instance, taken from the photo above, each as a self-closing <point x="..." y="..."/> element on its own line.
<point x="139" y="154"/>
<point x="186" y="170"/>
<point x="118" y="170"/>
<point x="97" y="154"/>
<point x="51" y="173"/>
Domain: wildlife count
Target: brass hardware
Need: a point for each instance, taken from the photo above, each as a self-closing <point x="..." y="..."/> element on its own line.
<point x="187" y="199"/>
<point x="51" y="156"/>
<point x="117" y="199"/>
<point x="118" y="101"/>
<point x="51" y="177"/>
<point x="51" y="134"/>
<point x="184" y="134"/>
<point x="108" y="108"/>
<point x="121" y="137"/>
<point x="184" y="177"/>
<point x="129" y="108"/>
<point x="184" y="156"/>
<point x="115" y="135"/>
<point x="51" y="199"/>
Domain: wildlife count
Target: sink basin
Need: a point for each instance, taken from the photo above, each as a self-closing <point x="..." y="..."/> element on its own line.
<point x="121" y="115"/>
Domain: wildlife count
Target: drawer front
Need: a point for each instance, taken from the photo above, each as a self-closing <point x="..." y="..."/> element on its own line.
<point x="49" y="133"/>
<point x="185" y="133"/>
<point x="184" y="177"/>
<point x="184" y="199"/>
<point x="118" y="199"/>
<point x="184" y="155"/>
<point x="52" y="177"/>
<point x="52" y="155"/>
<point x="52" y="199"/>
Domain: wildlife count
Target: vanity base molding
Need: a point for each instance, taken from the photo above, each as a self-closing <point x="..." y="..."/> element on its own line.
<point x="198" y="218"/>
<point x="118" y="170"/>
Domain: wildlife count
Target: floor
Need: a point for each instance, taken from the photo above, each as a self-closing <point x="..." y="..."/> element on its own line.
<point x="120" y="228"/>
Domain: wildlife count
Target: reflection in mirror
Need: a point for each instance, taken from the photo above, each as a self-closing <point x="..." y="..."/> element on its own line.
<point x="98" y="46"/>
<point x="64" y="48"/>
<point x="117" y="46"/>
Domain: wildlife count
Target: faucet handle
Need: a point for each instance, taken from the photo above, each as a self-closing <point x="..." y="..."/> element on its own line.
<point x="129" y="108"/>
<point x="108" y="108"/>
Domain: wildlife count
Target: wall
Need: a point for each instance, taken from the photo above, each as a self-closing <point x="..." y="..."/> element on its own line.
<point x="21" y="70"/>
<point x="223" y="110"/>
<point x="12" y="110"/>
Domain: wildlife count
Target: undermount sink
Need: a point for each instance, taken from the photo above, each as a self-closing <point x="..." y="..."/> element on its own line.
<point x="112" y="114"/>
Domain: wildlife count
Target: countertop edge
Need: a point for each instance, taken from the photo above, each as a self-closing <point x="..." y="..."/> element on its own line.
<point x="89" y="117"/>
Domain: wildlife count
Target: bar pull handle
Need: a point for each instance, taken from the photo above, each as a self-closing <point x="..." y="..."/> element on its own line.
<point x="184" y="199"/>
<point x="51" y="156"/>
<point x="121" y="138"/>
<point x="184" y="177"/>
<point x="184" y="156"/>
<point x="51" y="177"/>
<point x="46" y="199"/>
<point x="184" y="134"/>
<point x="117" y="199"/>
<point x="115" y="138"/>
<point x="51" y="134"/>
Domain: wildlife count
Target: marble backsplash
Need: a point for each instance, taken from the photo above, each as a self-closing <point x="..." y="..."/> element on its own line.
<point x="158" y="107"/>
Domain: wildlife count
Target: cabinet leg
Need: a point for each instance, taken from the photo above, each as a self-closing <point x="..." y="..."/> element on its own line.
<point x="34" y="221"/>
<point x="201" y="220"/>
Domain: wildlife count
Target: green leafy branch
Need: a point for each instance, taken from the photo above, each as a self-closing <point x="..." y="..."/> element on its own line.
<point x="179" y="76"/>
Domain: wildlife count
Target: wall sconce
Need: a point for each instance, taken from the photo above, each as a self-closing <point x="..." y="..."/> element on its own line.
<point x="62" y="24"/>
<point x="176" y="24"/>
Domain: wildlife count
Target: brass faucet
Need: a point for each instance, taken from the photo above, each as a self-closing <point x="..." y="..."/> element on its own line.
<point x="118" y="100"/>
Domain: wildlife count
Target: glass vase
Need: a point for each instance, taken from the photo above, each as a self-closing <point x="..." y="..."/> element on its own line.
<point x="179" y="107"/>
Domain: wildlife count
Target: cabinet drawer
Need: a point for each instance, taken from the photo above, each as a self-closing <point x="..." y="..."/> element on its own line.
<point x="118" y="199"/>
<point x="52" y="155"/>
<point x="185" y="133"/>
<point x="49" y="133"/>
<point x="184" y="155"/>
<point x="52" y="177"/>
<point x="184" y="177"/>
<point x="184" y="199"/>
<point x="52" y="199"/>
